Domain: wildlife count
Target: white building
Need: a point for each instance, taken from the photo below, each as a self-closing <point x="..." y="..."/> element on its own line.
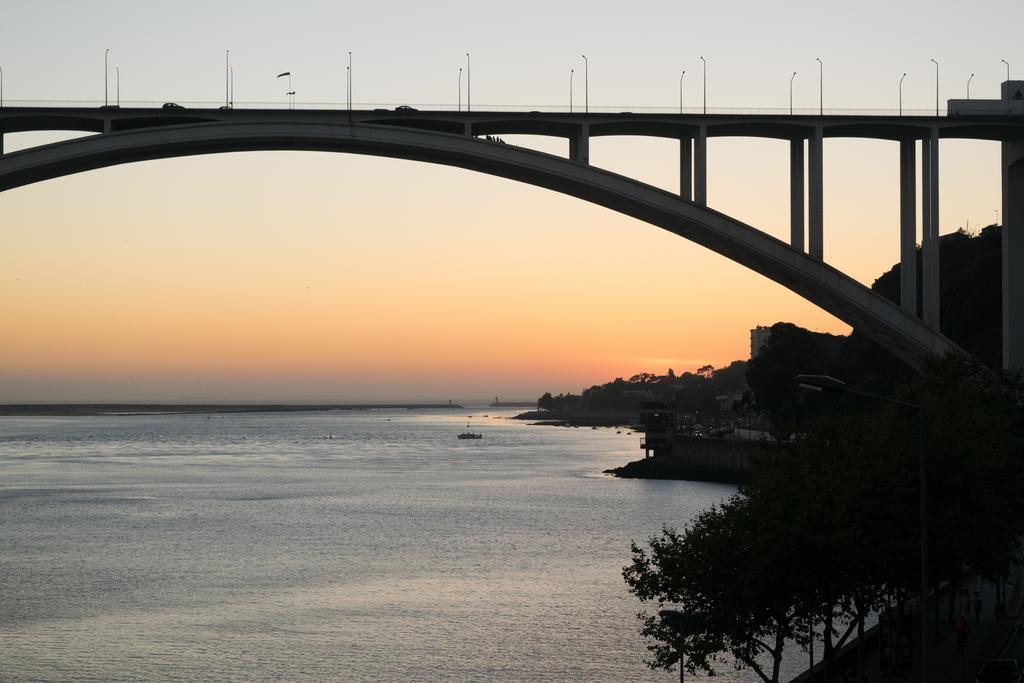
<point x="758" y="338"/>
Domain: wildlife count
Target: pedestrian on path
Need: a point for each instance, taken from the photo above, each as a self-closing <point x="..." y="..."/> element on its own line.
<point x="977" y="606"/>
<point x="962" y="628"/>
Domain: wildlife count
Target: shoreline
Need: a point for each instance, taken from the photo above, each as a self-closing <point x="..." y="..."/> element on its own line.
<point x="548" y="419"/>
<point x="665" y="468"/>
<point x="128" y="409"/>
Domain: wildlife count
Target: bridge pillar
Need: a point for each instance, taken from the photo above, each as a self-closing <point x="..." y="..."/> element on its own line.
<point x="579" y="145"/>
<point x="930" y="230"/>
<point x="700" y="167"/>
<point x="1013" y="254"/>
<point x="686" y="168"/>
<point x="1" y="144"/>
<point x="908" y="227"/>
<point x="796" y="194"/>
<point x="815" y="202"/>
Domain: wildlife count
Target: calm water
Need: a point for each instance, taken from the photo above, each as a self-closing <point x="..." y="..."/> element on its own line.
<point x="255" y="547"/>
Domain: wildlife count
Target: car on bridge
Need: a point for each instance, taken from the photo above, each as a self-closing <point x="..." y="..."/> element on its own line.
<point x="172" y="105"/>
<point x="405" y="107"/>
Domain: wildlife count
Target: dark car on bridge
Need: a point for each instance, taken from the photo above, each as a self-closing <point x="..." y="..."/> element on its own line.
<point x="172" y="105"/>
<point x="1000" y="671"/>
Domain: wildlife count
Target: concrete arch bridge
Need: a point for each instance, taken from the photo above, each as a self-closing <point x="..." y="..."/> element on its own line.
<point x="459" y="139"/>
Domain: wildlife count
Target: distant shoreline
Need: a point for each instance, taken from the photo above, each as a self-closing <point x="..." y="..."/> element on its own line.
<point x="551" y="419"/>
<point x="87" y="409"/>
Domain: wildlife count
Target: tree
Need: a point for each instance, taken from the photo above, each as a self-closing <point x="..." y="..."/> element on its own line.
<point x="728" y="576"/>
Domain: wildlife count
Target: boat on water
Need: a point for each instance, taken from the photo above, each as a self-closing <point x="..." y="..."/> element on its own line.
<point x="470" y="435"/>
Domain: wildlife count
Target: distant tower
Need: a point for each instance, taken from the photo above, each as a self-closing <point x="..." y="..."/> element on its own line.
<point x="759" y="338"/>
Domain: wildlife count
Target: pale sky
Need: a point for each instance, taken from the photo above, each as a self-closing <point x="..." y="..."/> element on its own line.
<point x="312" y="276"/>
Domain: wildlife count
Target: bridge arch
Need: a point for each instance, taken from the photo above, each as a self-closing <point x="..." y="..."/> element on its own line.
<point x="881" y="320"/>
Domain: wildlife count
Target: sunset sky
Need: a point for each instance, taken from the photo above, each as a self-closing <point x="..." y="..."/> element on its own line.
<point x="293" y="276"/>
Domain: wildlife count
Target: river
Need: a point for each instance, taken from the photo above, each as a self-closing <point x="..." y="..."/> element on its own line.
<point x="343" y="545"/>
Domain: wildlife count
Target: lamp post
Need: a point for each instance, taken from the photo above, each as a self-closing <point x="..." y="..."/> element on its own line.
<point x="571" y="72"/>
<point x="681" y="90"/>
<point x="290" y="91"/>
<point x="681" y="622"/>
<point x="704" y="77"/>
<point x="231" y="74"/>
<point x="227" y="78"/>
<point x="936" y="86"/>
<point x="106" y="70"/>
<point x="901" y="93"/>
<point x="348" y="90"/>
<point x="821" y="87"/>
<point x="117" y="85"/>
<point x="1" y="87"/>
<point x="586" y="84"/>
<point x="460" y="89"/>
<point x="469" y="84"/>
<point x="791" y="93"/>
<point x="824" y="383"/>
<point x="1007" y="68"/>
<point x="969" y="86"/>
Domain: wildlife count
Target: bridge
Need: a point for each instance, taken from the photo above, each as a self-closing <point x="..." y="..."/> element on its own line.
<point x="471" y="140"/>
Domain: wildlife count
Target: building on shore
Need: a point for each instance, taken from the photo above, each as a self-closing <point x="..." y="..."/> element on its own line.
<point x="759" y="337"/>
<point x="659" y="424"/>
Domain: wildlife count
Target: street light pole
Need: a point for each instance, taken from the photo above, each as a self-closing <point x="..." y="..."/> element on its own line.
<point x="704" y="77"/>
<point x="901" y="93"/>
<point x="571" y="72"/>
<point x="936" y="86"/>
<point x="469" y="84"/>
<point x="117" y="86"/>
<point x="1" y="87"/>
<point x="106" y="70"/>
<point x="290" y="92"/>
<point x="821" y="87"/>
<point x="1007" y="68"/>
<point x="791" y="93"/>
<point x="460" y="89"/>
<point x="349" y="87"/>
<point x="227" y="78"/>
<point x="231" y="73"/>
<point x="586" y="84"/>
<point x="681" y="622"/>
<point x="969" y="87"/>
<point x="681" y="91"/>
<point x="824" y="383"/>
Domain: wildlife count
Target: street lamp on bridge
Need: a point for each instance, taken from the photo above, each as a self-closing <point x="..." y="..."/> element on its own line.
<point x="821" y="87"/>
<point x="571" y="72"/>
<point x="460" y="89"/>
<point x="681" y="91"/>
<point x="901" y="93"/>
<point x="936" y="86"/>
<point x="586" y="84"/>
<point x="825" y="383"/>
<point x="106" y="71"/>
<point x="290" y="91"/>
<point x="231" y="80"/>
<point x="969" y="86"/>
<point x="469" y="84"/>
<point x="227" y="78"/>
<point x="791" y="93"/>
<point x="1007" y="68"/>
<point x="1" y="87"/>
<point x="704" y="64"/>
<point x="348" y="82"/>
<point x="117" y="86"/>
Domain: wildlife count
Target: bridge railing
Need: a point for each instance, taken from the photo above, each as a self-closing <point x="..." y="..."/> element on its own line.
<point x="454" y="107"/>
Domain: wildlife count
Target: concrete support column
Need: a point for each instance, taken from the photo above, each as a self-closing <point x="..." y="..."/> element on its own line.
<point x="579" y="145"/>
<point x="1013" y="255"/>
<point x="908" y="227"/>
<point x="796" y="194"/>
<point x="815" y="200"/>
<point x="467" y="130"/>
<point x="686" y="168"/>
<point x="1" y="144"/>
<point x="700" y="167"/>
<point x="930" y="230"/>
<point x="106" y="125"/>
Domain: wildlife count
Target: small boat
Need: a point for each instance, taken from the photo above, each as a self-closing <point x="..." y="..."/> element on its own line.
<point x="470" y="435"/>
